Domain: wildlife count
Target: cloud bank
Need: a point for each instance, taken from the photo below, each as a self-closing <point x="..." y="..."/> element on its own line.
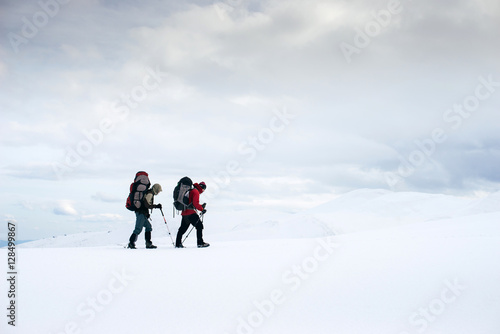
<point x="384" y="94"/>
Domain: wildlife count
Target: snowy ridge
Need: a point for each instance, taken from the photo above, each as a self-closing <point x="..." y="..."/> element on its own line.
<point x="359" y="210"/>
<point x="429" y="267"/>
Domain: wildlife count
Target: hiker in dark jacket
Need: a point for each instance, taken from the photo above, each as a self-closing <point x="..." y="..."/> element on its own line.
<point x="190" y="217"/>
<point x="142" y="217"/>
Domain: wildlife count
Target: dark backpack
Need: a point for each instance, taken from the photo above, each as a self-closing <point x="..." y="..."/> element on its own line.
<point x="137" y="191"/>
<point x="181" y="194"/>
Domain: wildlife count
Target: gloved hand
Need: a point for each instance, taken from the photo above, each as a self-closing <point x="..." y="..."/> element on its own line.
<point x="157" y="206"/>
<point x="204" y="205"/>
<point x="204" y="211"/>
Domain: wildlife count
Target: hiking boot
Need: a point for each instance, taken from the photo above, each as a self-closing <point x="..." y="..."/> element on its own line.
<point x="132" y="240"/>
<point x="150" y="245"/>
<point x="203" y="245"/>
<point x="179" y="246"/>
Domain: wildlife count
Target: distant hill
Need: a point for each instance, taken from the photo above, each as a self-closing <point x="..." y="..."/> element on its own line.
<point x="4" y="243"/>
<point x="356" y="211"/>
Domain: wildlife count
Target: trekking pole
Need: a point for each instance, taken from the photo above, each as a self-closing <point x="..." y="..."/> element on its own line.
<point x="161" y="210"/>
<point x="193" y="227"/>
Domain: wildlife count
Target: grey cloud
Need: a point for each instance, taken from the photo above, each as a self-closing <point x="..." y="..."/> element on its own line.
<point x="226" y="71"/>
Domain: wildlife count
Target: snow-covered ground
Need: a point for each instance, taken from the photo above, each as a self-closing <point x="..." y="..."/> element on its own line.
<point x="371" y="261"/>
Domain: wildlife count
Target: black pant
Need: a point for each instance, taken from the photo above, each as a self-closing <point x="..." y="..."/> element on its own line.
<point x="185" y="222"/>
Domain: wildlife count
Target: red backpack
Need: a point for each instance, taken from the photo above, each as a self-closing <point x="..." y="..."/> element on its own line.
<point x="137" y="190"/>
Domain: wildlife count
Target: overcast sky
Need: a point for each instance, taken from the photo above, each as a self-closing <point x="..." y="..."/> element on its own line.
<point x="274" y="104"/>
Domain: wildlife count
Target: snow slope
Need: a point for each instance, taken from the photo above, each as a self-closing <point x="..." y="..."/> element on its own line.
<point x="406" y="263"/>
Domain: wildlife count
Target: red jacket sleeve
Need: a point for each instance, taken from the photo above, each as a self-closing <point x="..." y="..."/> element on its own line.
<point x="196" y="199"/>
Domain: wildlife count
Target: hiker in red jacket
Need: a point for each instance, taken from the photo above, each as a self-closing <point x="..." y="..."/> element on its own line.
<point x="190" y="217"/>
